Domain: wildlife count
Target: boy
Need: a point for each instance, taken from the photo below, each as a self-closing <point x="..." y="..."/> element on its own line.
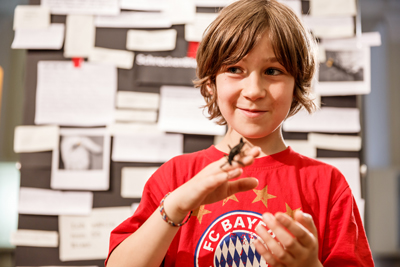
<point x="255" y="66"/>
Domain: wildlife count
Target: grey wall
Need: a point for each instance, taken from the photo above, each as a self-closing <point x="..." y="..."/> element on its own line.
<point x="13" y="63"/>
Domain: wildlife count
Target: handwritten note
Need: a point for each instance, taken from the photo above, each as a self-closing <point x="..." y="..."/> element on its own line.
<point x="51" y="38"/>
<point x="35" y="138"/>
<point x="119" y="58"/>
<point x="181" y="111"/>
<point x="51" y="202"/>
<point x="87" y="237"/>
<point x="334" y="120"/>
<point x="133" y="180"/>
<point x="31" y="17"/>
<point x="94" y="7"/>
<point x="132" y="19"/>
<point x="34" y="238"/>
<point x="80" y="36"/>
<point x="138" y="100"/>
<point x="163" y="40"/>
<point x="147" y="147"/>
<point x="72" y="96"/>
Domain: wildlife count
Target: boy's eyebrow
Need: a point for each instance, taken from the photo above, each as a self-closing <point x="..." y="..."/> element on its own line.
<point x="268" y="59"/>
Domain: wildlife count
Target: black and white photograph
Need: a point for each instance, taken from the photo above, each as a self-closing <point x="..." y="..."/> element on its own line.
<point x="81" y="160"/>
<point x="345" y="72"/>
<point x="342" y="66"/>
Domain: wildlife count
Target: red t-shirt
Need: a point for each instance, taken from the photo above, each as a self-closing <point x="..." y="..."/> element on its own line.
<point x="221" y="234"/>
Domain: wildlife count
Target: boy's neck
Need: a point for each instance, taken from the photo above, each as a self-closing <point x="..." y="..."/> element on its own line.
<point x="271" y="144"/>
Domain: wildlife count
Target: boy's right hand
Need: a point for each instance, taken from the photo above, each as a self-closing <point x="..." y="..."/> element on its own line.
<point x="212" y="184"/>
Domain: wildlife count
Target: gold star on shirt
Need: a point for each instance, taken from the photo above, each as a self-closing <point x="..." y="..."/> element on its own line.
<point x="233" y="197"/>
<point x="200" y="212"/>
<point x="263" y="195"/>
<point x="290" y="212"/>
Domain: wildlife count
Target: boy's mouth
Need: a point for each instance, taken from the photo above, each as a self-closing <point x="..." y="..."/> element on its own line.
<point x="252" y="113"/>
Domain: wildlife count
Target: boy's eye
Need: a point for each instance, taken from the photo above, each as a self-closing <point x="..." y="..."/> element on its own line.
<point x="273" y="72"/>
<point x="234" y="70"/>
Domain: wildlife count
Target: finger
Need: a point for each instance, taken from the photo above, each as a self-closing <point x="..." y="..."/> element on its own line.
<point x="283" y="234"/>
<point x="266" y="254"/>
<point x="307" y="221"/>
<point x="213" y="181"/>
<point x="276" y="248"/>
<point x="276" y="254"/>
<point x="302" y="234"/>
<point x="243" y="184"/>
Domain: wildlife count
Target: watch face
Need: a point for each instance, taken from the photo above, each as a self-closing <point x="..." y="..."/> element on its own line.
<point x="342" y="66"/>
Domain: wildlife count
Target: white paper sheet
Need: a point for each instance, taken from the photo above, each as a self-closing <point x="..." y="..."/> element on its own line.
<point x="213" y="3"/>
<point x="132" y="128"/>
<point x="35" y="138"/>
<point x="31" y="17"/>
<point x="333" y="8"/>
<point x="82" y="161"/>
<point x="344" y="71"/>
<point x="335" y="142"/>
<point x="181" y="111"/>
<point x="295" y="5"/>
<point x="131" y="19"/>
<point x="68" y="95"/>
<point x="134" y="207"/>
<point x="218" y="139"/>
<point x="303" y="147"/>
<point x="50" y="202"/>
<point x="331" y="120"/>
<point x="138" y="100"/>
<point x="93" y="7"/>
<point x="163" y="40"/>
<point x="119" y="58"/>
<point x="80" y="36"/>
<point x="148" y="5"/>
<point x="146" y="147"/>
<point x="48" y="38"/>
<point x="34" y="238"/>
<point x="194" y="31"/>
<point x="321" y="53"/>
<point x="87" y="237"/>
<point x="129" y="115"/>
<point x="367" y="39"/>
<point x="133" y="180"/>
<point x="180" y="11"/>
<point x="330" y="27"/>
<point x="350" y="168"/>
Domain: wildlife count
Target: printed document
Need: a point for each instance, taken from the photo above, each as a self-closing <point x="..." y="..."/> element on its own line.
<point x="75" y="96"/>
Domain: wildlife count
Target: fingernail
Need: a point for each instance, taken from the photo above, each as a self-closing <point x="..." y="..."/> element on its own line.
<point x="267" y="216"/>
<point x="306" y="215"/>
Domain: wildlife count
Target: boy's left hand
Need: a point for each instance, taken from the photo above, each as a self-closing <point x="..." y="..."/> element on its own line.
<point x="295" y="243"/>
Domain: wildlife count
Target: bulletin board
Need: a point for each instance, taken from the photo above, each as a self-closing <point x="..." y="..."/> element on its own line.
<point x="36" y="167"/>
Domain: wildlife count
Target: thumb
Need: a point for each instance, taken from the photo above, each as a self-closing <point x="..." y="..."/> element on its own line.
<point x="240" y="185"/>
<point x="307" y="221"/>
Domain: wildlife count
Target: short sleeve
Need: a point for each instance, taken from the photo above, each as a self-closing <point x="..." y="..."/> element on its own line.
<point x="345" y="242"/>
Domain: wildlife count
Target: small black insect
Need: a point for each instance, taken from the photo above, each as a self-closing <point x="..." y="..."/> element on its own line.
<point x="233" y="152"/>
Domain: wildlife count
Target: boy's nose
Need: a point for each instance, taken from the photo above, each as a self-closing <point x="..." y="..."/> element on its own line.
<point x="254" y="87"/>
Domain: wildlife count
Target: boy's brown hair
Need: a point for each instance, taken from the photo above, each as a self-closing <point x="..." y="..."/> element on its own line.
<point x="237" y="30"/>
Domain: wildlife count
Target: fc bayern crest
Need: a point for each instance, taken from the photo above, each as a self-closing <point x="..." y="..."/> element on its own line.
<point x="229" y="241"/>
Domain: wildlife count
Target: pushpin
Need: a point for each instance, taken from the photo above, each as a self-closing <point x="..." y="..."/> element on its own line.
<point x="77" y="61"/>
<point x="192" y="49"/>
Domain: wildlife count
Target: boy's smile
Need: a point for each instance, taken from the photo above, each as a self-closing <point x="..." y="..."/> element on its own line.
<point x="255" y="95"/>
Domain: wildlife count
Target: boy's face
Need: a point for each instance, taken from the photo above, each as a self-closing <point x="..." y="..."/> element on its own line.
<point x="255" y="95"/>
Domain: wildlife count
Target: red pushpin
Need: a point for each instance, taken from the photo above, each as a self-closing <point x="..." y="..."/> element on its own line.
<point x="192" y="49"/>
<point x="77" y="61"/>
